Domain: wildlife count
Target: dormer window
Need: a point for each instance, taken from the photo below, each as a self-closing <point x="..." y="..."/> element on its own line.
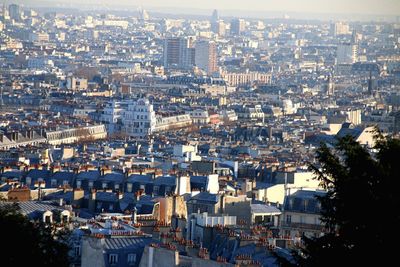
<point x="113" y="259"/>
<point x="131" y="259"/>
<point x="77" y="250"/>
<point x="129" y="187"/>
<point x="156" y="189"/>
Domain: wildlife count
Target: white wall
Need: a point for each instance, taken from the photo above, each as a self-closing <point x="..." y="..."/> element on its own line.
<point x="212" y="183"/>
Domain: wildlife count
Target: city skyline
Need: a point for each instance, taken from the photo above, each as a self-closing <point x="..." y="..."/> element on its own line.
<point x="368" y="7"/>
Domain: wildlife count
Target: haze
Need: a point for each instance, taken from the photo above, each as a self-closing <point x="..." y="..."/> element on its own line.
<point x="383" y="7"/>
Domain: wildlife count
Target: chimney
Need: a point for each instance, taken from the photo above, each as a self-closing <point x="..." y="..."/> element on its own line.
<point x="30" y="134"/>
<point x="137" y="195"/>
<point x="92" y="200"/>
<point x="61" y="202"/>
<point x="134" y="215"/>
<point x="93" y="194"/>
<point x="78" y="194"/>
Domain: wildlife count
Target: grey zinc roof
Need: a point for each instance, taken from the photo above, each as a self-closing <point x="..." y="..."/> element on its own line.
<point x="106" y="196"/>
<point x="262" y="208"/>
<point x="355" y="133"/>
<point x="140" y="178"/>
<point x="165" y="180"/>
<point x="304" y="201"/>
<point x="12" y="174"/>
<point x="30" y="206"/>
<point x="113" y="177"/>
<point x="35" y="174"/>
<point x="205" y="196"/>
<point x="63" y="176"/>
<point x="126" y="243"/>
<point x="33" y="209"/>
<point x="89" y="175"/>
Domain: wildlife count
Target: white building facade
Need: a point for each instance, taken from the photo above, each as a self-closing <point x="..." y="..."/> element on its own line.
<point x="139" y="119"/>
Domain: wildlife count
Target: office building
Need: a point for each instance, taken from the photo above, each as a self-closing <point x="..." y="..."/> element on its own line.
<point x="178" y="52"/>
<point x="347" y="53"/>
<point x="206" y="56"/>
<point x="340" y="28"/>
<point x="238" y="26"/>
<point x="15" y="12"/>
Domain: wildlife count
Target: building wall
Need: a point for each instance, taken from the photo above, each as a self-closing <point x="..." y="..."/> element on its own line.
<point x="346" y="53"/>
<point x="274" y="194"/>
<point x="307" y="223"/>
<point x="241" y="210"/>
<point x="73" y="135"/>
<point x="158" y="257"/>
<point x="367" y="137"/>
<point x="206" y="56"/>
<point x="92" y="252"/>
<point x="139" y="119"/>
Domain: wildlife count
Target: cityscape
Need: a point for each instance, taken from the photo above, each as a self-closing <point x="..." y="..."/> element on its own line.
<point x="131" y="135"/>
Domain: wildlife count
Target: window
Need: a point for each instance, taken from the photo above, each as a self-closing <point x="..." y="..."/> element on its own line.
<point x="78" y="184"/>
<point x="53" y="182"/>
<point x="129" y="187"/>
<point x="104" y="185"/>
<point x="111" y="207"/>
<point x="47" y="219"/>
<point x="112" y="259"/>
<point x="288" y="218"/>
<point x="90" y="184"/>
<point x="155" y="189"/>
<point x="77" y="251"/>
<point x="131" y="259"/>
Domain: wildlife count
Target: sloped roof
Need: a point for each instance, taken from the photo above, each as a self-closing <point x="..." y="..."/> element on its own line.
<point x="262" y="208"/>
<point x="126" y="243"/>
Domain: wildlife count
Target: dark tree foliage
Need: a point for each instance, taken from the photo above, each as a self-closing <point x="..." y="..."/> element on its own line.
<point x="361" y="211"/>
<point x="26" y="243"/>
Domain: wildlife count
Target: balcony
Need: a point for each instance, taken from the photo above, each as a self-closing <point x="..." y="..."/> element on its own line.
<point x="302" y="226"/>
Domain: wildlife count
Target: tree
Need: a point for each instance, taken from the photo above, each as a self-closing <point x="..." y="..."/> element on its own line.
<point x="361" y="209"/>
<point x="27" y="243"/>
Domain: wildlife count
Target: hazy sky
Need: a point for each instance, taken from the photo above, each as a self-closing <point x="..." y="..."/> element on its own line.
<point x="386" y="7"/>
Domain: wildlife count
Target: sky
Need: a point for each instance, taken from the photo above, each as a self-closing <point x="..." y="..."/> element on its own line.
<point x="382" y="7"/>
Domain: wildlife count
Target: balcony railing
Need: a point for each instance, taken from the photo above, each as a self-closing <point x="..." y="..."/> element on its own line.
<point x="308" y="226"/>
